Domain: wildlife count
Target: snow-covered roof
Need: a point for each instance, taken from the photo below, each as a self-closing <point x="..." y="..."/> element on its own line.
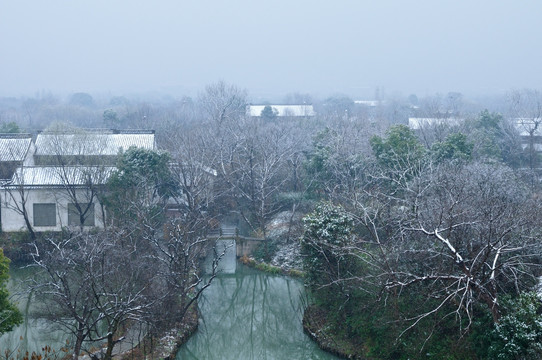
<point x="45" y="176"/>
<point x="283" y="110"/>
<point x="536" y="147"/>
<point x="92" y="143"/>
<point x="369" y="103"/>
<point x="14" y="147"/>
<point x="525" y="125"/>
<point x="418" y="123"/>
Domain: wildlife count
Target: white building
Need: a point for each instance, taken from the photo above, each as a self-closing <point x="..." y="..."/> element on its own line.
<point x="89" y="147"/>
<point x="368" y="103"/>
<point x="49" y="196"/>
<point x="14" y="152"/>
<point x="283" y="110"/>
<point x="56" y="180"/>
<point x="420" y="123"/>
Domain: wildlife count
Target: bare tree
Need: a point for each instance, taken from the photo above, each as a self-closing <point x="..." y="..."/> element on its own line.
<point x="467" y="232"/>
<point x="93" y="284"/>
<point x="255" y="168"/>
<point x="81" y="165"/>
<point x="16" y="198"/>
<point x="222" y="102"/>
<point x="179" y="254"/>
<point x="191" y="212"/>
<point x="191" y="164"/>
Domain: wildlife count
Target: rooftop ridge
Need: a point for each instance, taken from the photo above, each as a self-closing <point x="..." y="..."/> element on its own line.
<point x="103" y="131"/>
<point x="15" y="135"/>
<point x="27" y="167"/>
<point x="279" y="104"/>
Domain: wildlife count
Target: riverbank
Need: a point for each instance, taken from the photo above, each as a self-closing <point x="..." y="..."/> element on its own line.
<point x="167" y="344"/>
<point x="271" y="269"/>
<point x="315" y="324"/>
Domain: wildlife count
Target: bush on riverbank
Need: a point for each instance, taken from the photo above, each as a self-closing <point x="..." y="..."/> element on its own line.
<point x="46" y="353"/>
<point x="373" y="334"/>
<point x="17" y="245"/>
<point x="353" y="317"/>
<point x="167" y="343"/>
<point x="316" y="324"/>
<point x="357" y="316"/>
<point x="14" y="246"/>
<point x="270" y="268"/>
<point x="361" y="330"/>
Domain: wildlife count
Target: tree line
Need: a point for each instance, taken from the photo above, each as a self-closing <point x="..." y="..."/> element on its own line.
<point x="429" y="252"/>
<point x="416" y="243"/>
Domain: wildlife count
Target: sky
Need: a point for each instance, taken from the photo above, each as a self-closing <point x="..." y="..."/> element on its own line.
<point x="351" y="47"/>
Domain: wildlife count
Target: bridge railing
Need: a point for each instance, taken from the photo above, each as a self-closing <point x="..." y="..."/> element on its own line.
<point x="227" y="232"/>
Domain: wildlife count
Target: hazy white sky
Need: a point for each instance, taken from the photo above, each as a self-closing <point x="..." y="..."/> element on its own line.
<point x="270" y="47"/>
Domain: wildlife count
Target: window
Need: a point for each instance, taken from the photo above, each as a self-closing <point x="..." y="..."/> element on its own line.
<point x="45" y="214"/>
<point x="73" y="214"/>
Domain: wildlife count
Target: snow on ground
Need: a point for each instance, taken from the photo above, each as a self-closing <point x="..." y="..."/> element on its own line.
<point x="288" y="250"/>
<point x="288" y="256"/>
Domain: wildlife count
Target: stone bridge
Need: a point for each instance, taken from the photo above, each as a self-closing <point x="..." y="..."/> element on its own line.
<point x="244" y="245"/>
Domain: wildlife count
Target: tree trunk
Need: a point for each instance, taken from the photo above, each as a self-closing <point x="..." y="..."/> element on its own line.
<point x="78" y="343"/>
<point x="110" y="345"/>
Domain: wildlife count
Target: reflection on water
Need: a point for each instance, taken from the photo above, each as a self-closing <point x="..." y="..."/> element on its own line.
<point x="244" y="315"/>
<point x="228" y="261"/>
<point x="251" y="315"/>
<point x="34" y="333"/>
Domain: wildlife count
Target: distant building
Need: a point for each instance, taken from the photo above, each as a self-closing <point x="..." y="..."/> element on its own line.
<point x="530" y="131"/>
<point x="283" y="110"/>
<point x="528" y="126"/>
<point x="420" y="123"/>
<point x="368" y="103"/>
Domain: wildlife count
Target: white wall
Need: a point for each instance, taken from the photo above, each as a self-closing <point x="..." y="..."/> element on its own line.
<point x="14" y="221"/>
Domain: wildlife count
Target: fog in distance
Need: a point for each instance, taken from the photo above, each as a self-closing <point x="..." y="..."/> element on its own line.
<point x="270" y="47"/>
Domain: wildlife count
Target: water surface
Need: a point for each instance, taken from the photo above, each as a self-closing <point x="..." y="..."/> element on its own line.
<point x="251" y="315"/>
<point x="246" y="314"/>
<point x="34" y="333"/>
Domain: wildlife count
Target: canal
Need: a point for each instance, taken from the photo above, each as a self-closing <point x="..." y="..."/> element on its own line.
<point x="251" y="315"/>
<point x="34" y="333"/>
<point x="244" y="314"/>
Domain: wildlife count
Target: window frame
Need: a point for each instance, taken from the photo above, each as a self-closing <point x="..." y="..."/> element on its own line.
<point x="42" y="217"/>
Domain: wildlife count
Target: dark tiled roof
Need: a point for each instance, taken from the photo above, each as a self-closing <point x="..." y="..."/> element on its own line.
<point x="13" y="147"/>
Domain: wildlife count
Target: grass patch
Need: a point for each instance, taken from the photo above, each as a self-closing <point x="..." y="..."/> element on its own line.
<point x="270" y="268"/>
